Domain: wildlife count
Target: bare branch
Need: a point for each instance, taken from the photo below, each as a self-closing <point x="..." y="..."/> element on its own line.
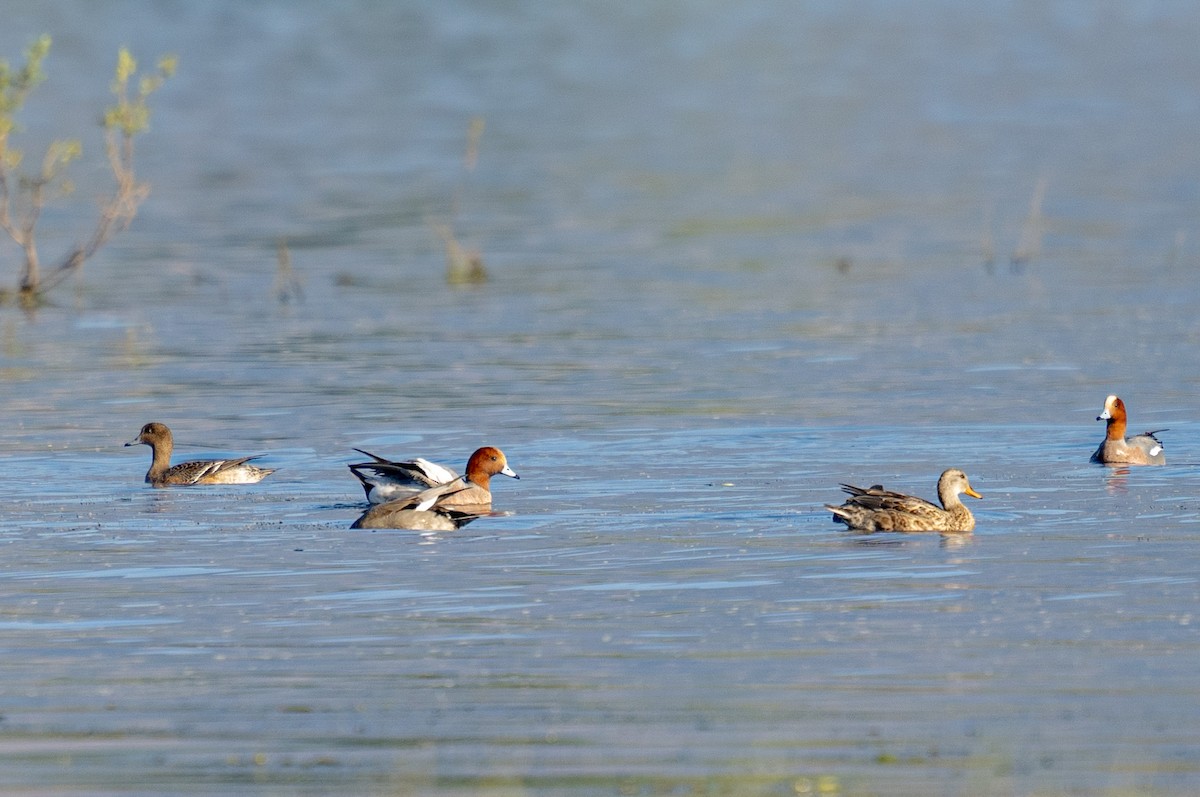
<point x="22" y="198"/>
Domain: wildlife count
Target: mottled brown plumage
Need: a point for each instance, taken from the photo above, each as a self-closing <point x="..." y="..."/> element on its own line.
<point x="877" y="509"/>
<point x="212" y="471"/>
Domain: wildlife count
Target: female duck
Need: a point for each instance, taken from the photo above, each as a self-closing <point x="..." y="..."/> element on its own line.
<point x="384" y="480"/>
<point x="423" y="511"/>
<point x="877" y="509"/>
<point x="1142" y="449"/>
<point x="213" y="471"/>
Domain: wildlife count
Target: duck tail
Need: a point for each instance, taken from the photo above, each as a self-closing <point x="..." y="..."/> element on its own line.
<point x="378" y="459"/>
<point x="840" y="514"/>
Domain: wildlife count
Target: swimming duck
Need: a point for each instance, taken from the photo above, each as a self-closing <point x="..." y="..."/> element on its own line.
<point x="1142" y="449"/>
<point x="423" y="511"/>
<point x="877" y="509"/>
<point x="384" y="480"/>
<point x="213" y="471"/>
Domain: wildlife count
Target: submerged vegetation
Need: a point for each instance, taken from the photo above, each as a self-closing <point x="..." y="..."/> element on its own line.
<point x="25" y="191"/>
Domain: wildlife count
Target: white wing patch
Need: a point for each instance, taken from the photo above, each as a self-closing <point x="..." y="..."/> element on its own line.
<point x="438" y="474"/>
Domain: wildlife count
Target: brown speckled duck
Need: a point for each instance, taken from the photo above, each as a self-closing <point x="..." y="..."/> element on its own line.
<point x="385" y="480"/>
<point x="1142" y="449"/>
<point x="877" y="509"/>
<point x="423" y="511"/>
<point x="211" y="471"/>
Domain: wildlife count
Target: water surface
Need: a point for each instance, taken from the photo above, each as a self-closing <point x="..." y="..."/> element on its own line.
<point x="737" y="255"/>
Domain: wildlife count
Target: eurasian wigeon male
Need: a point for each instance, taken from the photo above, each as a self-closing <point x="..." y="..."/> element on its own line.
<point x="423" y="511"/>
<point x="877" y="509"/>
<point x="385" y="480"/>
<point x="1142" y="449"/>
<point x="208" y="471"/>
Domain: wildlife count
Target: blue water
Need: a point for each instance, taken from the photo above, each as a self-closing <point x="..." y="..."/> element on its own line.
<point x="737" y="256"/>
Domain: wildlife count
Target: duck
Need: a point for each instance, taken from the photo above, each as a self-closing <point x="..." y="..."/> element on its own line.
<point x="423" y="511"/>
<point x="209" y="471"/>
<point x="1142" y="449"/>
<point x="876" y="509"/>
<point x="384" y="480"/>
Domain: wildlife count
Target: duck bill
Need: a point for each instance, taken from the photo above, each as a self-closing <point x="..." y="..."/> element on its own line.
<point x="971" y="492"/>
<point x="510" y="472"/>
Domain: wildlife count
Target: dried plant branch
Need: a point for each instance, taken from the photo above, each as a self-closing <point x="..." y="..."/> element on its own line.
<point x="1030" y="244"/>
<point x="463" y="266"/>
<point x="123" y="122"/>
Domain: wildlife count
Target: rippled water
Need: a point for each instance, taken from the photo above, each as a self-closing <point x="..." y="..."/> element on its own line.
<point x="738" y="255"/>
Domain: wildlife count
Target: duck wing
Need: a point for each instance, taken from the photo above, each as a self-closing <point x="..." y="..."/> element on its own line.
<point x="418" y="472"/>
<point x="384" y="479"/>
<point x="876" y="499"/>
<point x="217" y="471"/>
<point x="419" y="510"/>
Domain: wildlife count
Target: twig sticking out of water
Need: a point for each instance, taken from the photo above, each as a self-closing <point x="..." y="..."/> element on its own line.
<point x="463" y="266"/>
<point x="288" y="286"/>
<point x="1176" y="248"/>
<point x="474" y="135"/>
<point x="23" y="196"/>
<point x="1030" y="245"/>
<point x="987" y="244"/>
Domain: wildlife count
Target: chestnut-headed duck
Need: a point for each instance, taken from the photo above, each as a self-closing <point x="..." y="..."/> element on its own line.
<point x="1142" y="449"/>
<point x="211" y="471"/>
<point x="423" y="511"/>
<point x="384" y="480"/>
<point x="877" y="509"/>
